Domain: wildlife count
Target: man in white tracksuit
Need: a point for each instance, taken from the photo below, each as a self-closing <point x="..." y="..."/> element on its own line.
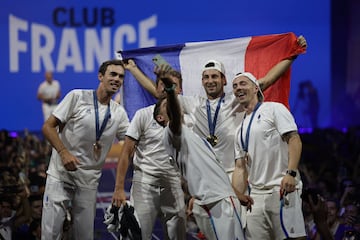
<point x="156" y="190"/>
<point x="81" y="131"/>
<point x="216" y="208"/>
<point x="267" y="152"/>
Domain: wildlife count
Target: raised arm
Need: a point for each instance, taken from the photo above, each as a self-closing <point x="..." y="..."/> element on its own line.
<point x="320" y="212"/>
<point x="279" y="69"/>
<point x="144" y="81"/>
<point x="172" y="106"/>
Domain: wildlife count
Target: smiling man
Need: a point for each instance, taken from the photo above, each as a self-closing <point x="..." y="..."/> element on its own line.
<point x="267" y="155"/>
<point x="81" y="131"/>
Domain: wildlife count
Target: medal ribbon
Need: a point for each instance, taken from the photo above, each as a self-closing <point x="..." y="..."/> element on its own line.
<point x="106" y="118"/>
<point x="212" y="123"/>
<point x="245" y="145"/>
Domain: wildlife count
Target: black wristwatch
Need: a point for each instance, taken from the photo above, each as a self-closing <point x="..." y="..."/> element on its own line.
<point x="291" y="172"/>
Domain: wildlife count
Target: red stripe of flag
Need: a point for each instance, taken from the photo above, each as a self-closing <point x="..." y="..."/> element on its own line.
<point x="264" y="52"/>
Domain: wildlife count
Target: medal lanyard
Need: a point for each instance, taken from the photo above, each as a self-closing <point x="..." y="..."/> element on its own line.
<point x="245" y="145"/>
<point x="212" y="124"/>
<point x="106" y="118"/>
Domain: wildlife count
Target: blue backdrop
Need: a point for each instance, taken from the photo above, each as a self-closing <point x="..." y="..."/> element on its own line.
<point x="73" y="37"/>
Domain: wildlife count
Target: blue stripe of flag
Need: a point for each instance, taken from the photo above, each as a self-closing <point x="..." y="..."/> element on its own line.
<point x="135" y="96"/>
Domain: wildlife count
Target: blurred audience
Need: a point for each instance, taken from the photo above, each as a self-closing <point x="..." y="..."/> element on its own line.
<point x="23" y="161"/>
<point x="330" y="167"/>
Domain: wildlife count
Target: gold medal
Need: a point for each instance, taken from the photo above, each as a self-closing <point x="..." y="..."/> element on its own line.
<point x="97" y="150"/>
<point x="212" y="139"/>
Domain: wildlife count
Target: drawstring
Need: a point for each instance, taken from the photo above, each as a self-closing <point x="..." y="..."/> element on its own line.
<point x="211" y="220"/>
<point x="237" y="216"/>
<point x="282" y="203"/>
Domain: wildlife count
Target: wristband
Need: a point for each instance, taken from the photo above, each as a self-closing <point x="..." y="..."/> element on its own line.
<point x="291" y="172"/>
<point x="170" y="89"/>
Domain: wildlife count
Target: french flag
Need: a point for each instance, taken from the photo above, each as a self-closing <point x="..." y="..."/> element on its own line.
<point x="256" y="54"/>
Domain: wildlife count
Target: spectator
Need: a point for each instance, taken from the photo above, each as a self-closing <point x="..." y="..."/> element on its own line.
<point x="351" y="220"/>
<point x="7" y="218"/>
<point x="320" y="213"/>
<point x="49" y="93"/>
<point x="337" y="229"/>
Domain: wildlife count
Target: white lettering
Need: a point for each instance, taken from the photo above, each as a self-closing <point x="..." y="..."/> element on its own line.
<point x="69" y="52"/>
<point x="42" y="46"/>
<point x="15" y="44"/>
<point x="144" y="27"/>
<point x="95" y="47"/>
<point x="121" y="32"/>
<point x="82" y="53"/>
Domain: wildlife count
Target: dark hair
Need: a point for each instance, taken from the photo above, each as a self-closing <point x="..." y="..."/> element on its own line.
<point x="334" y="200"/>
<point x="35" y="197"/>
<point x="7" y="199"/>
<point x="104" y="65"/>
<point x="172" y="73"/>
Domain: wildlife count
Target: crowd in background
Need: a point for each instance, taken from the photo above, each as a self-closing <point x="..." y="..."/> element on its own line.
<point x="23" y="164"/>
<point x="329" y="167"/>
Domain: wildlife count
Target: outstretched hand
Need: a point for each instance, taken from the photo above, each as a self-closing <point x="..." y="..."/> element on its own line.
<point x="302" y="41"/>
<point x="129" y="63"/>
<point x="162" y="70"/>
<point x="168" y="82"/>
